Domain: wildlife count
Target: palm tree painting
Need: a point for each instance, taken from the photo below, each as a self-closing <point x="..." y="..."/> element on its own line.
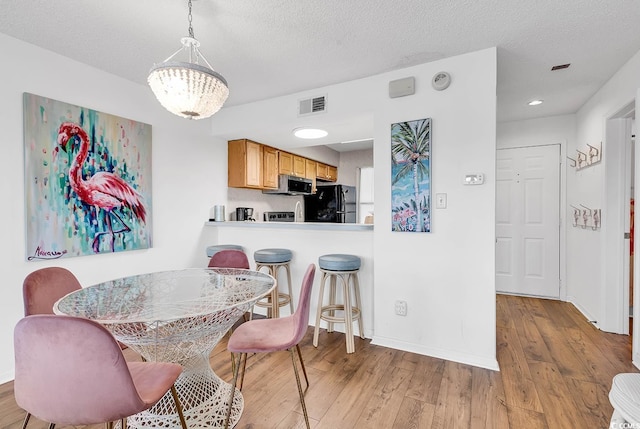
<point x="87" y="181"/>
<point x="411" y="176"/>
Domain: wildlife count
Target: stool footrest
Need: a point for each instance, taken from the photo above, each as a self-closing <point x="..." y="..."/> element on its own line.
<point x="355" y="313"/>
<point x="283" y="299"/>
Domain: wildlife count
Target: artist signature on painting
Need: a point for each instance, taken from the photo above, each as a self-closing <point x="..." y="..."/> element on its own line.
<point x="47" y="254"/>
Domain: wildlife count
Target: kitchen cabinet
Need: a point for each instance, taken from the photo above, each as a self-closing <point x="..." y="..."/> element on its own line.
<point x="299" y="167"/>
<point x="310" y="172"/>
<point x="332" y="173"/>
<point x="327" y="173"/>
<point x="270" y="168"/>
<point x="285" y="163"/>
<point x="245" y="160"/>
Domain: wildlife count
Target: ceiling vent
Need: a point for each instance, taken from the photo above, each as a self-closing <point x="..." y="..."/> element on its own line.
<point x="560" y="67"/>
<point x="312" y="105"/>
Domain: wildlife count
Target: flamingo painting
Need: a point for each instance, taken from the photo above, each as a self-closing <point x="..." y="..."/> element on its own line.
<point x="105" y="191"/>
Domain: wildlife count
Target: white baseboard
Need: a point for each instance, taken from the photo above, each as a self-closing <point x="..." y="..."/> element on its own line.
<point x="460" y="357"/>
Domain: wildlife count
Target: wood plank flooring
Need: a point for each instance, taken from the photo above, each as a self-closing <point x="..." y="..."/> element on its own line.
<point x="556" y="371"/>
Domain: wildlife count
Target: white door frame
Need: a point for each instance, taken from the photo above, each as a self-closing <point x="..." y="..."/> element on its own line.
<point x="615" y="204"/>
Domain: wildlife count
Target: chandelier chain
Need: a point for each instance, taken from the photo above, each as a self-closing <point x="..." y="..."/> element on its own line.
<point x="190" y="22"/>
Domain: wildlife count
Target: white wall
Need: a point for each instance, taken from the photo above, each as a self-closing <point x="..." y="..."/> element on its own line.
<point x="351" y="162"/>
<point x="189" y="175"/>
<point x="446" y="276"/>
<point x="589" y="284"/>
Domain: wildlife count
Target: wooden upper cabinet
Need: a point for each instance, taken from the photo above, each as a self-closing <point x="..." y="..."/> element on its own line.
<point x="327" y="173"/>
<point x="270" y="168"/>
<point x="285" y="163"/>
<point x="245" y="158"/>
<point x="299" y="168"/>
<point x="332" y="173"/>
<point x="310" y="172"/>
<point x="254" y="165"/>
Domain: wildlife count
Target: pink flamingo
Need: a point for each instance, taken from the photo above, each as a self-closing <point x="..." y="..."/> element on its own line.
<point x="103" y="190"/>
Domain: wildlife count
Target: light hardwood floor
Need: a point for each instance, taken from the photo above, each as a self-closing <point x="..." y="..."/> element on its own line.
<point x="556" y="371"/>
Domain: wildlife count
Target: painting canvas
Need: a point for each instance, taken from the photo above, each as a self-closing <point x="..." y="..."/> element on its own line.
<point x="87" y="181"/>
<point x="411" y="176"/>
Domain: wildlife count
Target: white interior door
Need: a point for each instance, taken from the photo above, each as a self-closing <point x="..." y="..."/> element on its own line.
<point x="528" y="221"/>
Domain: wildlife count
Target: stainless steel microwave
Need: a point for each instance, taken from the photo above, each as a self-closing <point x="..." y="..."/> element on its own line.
<point x="291" y="185"/>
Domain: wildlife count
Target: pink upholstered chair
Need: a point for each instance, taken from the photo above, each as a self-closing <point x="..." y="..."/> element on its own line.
<point x="229" y="258"/>
<point x="71" y="371"/>
<point x="42" y="288"/>
<point x="270" y="335"/>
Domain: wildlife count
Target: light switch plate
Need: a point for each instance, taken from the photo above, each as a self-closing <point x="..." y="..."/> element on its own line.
<point x="441" y="201"/>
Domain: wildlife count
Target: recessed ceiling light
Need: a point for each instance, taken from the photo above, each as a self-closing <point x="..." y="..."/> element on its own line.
<point x="535" y="102"/>
<point x="309" y="133"/>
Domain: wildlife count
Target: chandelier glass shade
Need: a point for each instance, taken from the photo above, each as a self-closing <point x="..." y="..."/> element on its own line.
<point x="190" y="88"/>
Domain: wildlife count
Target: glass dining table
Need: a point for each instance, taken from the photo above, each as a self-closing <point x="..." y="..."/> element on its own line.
<point x="176" y="316"/>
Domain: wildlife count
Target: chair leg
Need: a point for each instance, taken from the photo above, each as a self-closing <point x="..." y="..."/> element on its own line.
<point x="316" y="329"/>
<point x="233" y="389"/>
<point x="304" y="370"/>
<point x="348" y="313"/>
<point x="300" y="392"/>
<point x="174" y="393"/>
<point x="288" y="268"/>
<point x="244" y="369"/>
<point x="356" y="285"/>
<point x="108" y="425"/>
<point x="26" y="420"/>
<point x="52" y="425"/>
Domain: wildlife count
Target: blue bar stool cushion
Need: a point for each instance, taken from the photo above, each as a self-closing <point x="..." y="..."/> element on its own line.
<point x="212" y="250"/>
<point x="272" y="256"/>
<point x="339" y="262"/>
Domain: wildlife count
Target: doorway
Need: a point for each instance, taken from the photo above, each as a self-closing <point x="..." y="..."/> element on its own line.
<point x="528" y="221"/>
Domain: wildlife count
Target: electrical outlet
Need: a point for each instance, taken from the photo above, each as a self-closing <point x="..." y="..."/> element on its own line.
<point x="401" y="308"/>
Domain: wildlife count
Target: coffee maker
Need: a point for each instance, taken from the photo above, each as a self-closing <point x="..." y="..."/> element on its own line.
<point x="244" y="213"/>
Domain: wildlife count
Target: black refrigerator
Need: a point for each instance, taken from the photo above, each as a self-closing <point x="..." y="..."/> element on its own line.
<point x="331" y="203"/>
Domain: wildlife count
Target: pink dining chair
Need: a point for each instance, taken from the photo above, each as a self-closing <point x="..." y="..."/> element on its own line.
<point x="270" y="335"/>
<point x="229" y="258"/>
<point x="71" y="371"/>
<point x="42" y="288"/>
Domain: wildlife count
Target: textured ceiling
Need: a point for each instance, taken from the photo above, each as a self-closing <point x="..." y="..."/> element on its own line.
<point x="275" y="47"/>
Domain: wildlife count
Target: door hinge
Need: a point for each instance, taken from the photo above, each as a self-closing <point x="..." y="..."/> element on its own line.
<point x="627" y="235"/>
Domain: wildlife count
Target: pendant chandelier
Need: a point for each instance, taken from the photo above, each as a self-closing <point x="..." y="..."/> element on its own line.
<point x="191" y="88"/>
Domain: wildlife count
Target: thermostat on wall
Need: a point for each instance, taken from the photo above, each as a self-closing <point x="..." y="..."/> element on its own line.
<point x="474" y="179"/>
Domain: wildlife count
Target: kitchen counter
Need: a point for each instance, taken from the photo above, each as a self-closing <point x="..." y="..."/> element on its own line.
<point x="296" y="225"/>
<point x="308" y="241"/>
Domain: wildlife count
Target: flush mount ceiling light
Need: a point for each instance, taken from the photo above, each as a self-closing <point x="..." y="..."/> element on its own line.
<point x="535" y="102"/>
<point x="309" y="133"/>
<point x="190" y="88"/>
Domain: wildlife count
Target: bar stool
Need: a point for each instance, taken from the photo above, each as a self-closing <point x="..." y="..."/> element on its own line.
<point x="273" y="260"/>
<point x="346" y="268"/>
<point x="212" y="250"/>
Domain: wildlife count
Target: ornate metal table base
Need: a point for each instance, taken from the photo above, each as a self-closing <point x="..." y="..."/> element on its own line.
<point x="204" y="397"/>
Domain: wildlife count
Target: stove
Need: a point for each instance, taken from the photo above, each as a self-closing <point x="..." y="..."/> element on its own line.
<point x="279" y="216"/>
